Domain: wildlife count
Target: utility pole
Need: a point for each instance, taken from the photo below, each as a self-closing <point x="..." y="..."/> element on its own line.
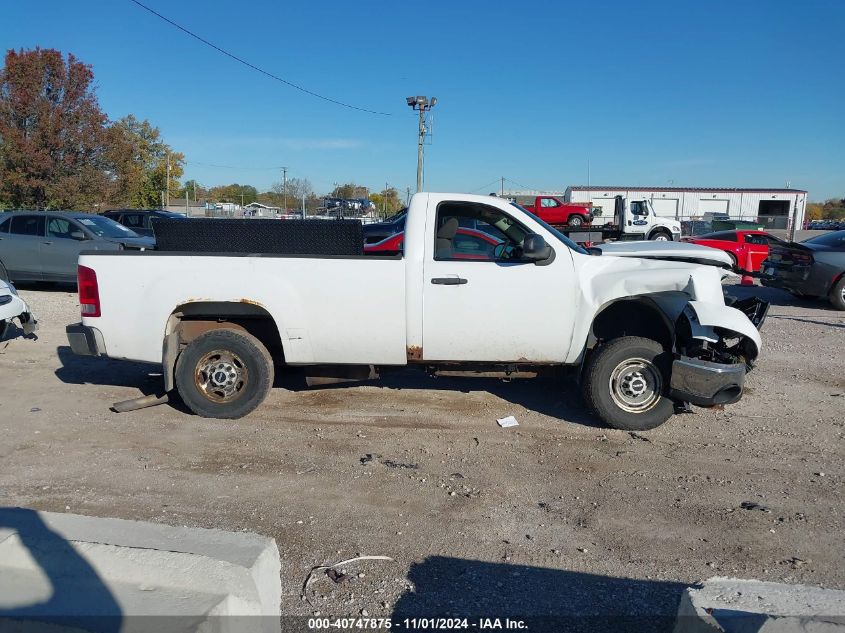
<point x="167" y="204"/>
<point x="187" y="209"/>
<point x="285" y="187"/>
<point x="304" y="210"/>
<point x="421" y="104"/>
<point x="503" y="186"/>
<point x="407" y="196"/>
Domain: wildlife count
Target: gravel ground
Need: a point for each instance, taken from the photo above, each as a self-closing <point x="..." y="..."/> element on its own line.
<point x="558" y="516"/>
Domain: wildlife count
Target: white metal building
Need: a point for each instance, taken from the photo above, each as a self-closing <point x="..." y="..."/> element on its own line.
<point x="773" y="207"/>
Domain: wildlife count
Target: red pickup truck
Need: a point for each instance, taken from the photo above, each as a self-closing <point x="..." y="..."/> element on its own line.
<point x="555" y="211"/>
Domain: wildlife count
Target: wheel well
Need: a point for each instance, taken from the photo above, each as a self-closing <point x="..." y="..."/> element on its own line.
<point x="660" y="229"/>
<point x="632" y="317"/>
<point x="190" y="320"/>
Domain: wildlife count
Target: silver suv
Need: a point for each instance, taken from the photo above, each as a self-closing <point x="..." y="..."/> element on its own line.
<point x="44" y="245"/>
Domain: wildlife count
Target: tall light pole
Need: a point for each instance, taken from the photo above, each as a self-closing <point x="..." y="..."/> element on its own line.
<point x="285" y="187"/>
<point x="422" y="104"/>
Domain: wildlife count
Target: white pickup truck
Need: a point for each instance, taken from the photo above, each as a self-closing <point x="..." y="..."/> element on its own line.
<point x="647" y="332"/>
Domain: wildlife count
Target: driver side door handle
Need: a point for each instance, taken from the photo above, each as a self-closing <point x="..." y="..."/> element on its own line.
<point x="448" y="281"/>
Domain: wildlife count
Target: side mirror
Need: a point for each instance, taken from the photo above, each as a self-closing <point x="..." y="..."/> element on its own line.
<point x="535" y="249"/>
<point x="78" y="235"/>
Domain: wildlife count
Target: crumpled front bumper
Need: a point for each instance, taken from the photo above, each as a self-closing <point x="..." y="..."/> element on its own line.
<point x="706" y="384"/>
<point x="13" y="307"/>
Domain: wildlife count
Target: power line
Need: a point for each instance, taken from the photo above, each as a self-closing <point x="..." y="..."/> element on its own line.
<point x="523" y="186"/>
<point x="190" y="163"/>
<point x="495" y="182"/>
<point x="253" y="66"/>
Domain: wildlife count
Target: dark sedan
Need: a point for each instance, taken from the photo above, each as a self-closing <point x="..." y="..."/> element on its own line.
<point x="378" y="231"/>
<point x="141" y="220"/>
<point x="814" y="268"/>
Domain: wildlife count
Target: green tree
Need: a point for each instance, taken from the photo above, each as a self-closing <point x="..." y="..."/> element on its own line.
<point x="53" y="140"/>
<point x="387" y="201"/>
<point x="349" y="190"/>
<point x="140" y="159"/>
<point x="194" y="190"/>
<point x="238" y="194"/>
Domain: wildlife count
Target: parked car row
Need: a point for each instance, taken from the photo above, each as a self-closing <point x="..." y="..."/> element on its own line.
<point x="827" y="225"/>
<point x="814" y="268"/>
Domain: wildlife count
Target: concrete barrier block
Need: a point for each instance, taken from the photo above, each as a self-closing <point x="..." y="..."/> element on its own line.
<point x="88" y="573"/>
<point x="732" y="605"/>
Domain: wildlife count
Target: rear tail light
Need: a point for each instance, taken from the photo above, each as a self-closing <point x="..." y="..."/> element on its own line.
<point x="802" y="258"/>
<point x="89" y="292"/>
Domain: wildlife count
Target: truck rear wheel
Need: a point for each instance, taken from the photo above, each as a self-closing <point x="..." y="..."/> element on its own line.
<point x="625" y="381"/>
<point x="224" y="374"/>
<point x="575" y="220"/>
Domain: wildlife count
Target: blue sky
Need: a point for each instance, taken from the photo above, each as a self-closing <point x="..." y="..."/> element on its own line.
<point x="650" y="92"/>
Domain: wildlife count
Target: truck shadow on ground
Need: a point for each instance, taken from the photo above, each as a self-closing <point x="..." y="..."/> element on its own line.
<point x="78" y="598"/>
<point x="557" y="397"/>
<point x="94" y="370"/>
<point x="548" y="600"/>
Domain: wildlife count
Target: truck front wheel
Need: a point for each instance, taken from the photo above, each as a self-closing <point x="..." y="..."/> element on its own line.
<point x="224" y="374"/>
<point x="625" y="381"/>
<point x="661" y="236"/>
<point x="575" y="220"/>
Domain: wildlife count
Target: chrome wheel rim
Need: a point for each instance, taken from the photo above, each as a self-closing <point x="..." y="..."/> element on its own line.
<point x="635" y="385"/>
<point x="221" y="376"/>
<point x="575" y="222"/>
<point x="661" y="238"/>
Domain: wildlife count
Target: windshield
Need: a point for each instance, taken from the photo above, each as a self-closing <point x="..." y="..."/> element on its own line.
<point x="105" y="227"/>
<point x="575" y="247"/>
<point x="837" y="238"/>
<point x="398" y="216"/>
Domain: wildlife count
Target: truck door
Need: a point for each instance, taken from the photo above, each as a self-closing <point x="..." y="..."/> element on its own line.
<point x="637" y="220"/>
<point x="481" y="302"/>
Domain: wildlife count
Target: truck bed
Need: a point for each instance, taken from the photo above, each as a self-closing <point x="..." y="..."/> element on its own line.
<point x="320" y="303"/>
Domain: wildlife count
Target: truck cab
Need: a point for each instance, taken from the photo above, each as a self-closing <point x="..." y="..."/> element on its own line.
<point x="637" y="220"/>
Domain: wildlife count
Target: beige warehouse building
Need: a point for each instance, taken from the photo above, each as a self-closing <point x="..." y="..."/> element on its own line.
<point x="775" y="208"/>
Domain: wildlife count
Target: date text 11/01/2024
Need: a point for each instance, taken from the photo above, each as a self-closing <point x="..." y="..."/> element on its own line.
<point x="416" y="624"/>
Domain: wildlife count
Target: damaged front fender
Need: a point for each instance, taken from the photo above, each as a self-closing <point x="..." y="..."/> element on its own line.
<point x="705" y="317"/>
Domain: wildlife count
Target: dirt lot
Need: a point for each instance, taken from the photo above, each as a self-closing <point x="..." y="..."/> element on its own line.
<point x="558" y="516"/>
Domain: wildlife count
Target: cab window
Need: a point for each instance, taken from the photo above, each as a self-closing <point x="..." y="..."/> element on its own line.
<point x="496" y="236"/>
<point x="28" y="225"/>
<point x="4" y="224"/>
<point x="549" y="202"/>
<point x="638" y="207"/>
<point x="753" y="238"/>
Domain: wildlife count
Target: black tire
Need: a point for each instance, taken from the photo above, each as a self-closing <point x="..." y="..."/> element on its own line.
<point x="575" y="220"/>
<point x="241" y="380"/>
<point x="837" y="294"/>
<point x="4" y="328"/>
<point x="660" y="235"/>
<point x="608" y="403"/>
